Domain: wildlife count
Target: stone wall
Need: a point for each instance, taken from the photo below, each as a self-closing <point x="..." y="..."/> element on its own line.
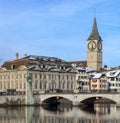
<point x="13" y="100"/>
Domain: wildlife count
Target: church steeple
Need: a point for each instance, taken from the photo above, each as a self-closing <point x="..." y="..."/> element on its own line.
<point x="94" y="34"/>
<point x="94" y="48"/>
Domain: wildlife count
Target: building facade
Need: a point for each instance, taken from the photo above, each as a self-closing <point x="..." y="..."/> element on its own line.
<point x="47" y="73"/>
<point x="99" y="83"/>
<point x="113" y="78"/>
<point x="83" y="83"/>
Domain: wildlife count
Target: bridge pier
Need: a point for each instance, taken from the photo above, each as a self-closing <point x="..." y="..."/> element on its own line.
<point x="76" y="100"/>
<point x="118" y="101"/>
<point x="76" y="103"/>
<point x="118" y="105"/>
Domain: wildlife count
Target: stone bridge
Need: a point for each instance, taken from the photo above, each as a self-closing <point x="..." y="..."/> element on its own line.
<point x="76" y="99"/>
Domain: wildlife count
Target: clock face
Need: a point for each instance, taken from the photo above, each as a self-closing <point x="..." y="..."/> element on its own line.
<point x="91" y="45"/>
<point x="99" y="46"/>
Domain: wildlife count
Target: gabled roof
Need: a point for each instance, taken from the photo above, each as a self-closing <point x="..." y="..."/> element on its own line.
<point x="95" y="34"/>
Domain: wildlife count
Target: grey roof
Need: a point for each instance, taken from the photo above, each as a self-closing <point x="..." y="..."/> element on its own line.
<point x="95" y="34"/>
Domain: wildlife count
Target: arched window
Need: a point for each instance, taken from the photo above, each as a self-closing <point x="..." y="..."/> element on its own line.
<point x="71" y="85"/>
<point x="44" y="85"/>
<point x="40" y="85"/>
<point x="36" y="84"/>
<point x="68" y="85"/>
<point x="54" y="85"/>
<point x="63" y="85"/>
<point x="59" y="84"/>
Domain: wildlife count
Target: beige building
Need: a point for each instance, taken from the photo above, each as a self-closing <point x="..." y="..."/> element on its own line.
<point x="99" y="83"/>
<point x="94" y="49"/>
<point x="48" y="74"/>
<point x="13" y="80"/>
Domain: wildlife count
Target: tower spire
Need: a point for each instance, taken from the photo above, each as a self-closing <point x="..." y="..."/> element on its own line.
<point x="94" y="34"/>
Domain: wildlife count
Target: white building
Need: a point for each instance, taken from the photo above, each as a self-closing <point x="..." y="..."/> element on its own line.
<point x="113" y="78"/>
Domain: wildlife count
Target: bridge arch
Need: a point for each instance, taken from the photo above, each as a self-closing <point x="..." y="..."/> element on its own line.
<point x="56" y="100"/>
<point x="98" y="99"/>
<point x="49" y="97"/>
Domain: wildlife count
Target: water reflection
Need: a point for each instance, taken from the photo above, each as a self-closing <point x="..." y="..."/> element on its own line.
<point x="104" y="113"/>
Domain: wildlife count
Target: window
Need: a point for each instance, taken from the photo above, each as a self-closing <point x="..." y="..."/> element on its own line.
<point x="49" y="76"/>
<point x="94" y="85"/>
<point x="112" y="79"/>
<point x="67" y="77"/>
<point x="59" y="77"/>
<point x="52" y="76"/>
<point x="35" y="75"/>
<point x="62" y="77"/>
<point x="36" y="84"/>
<point x="40" y="76"/>
<point x="44" y="76"/>
<point x="85" y="77"/>
<point x="8" y="85"/>
<point x="44" y="85"/>
<point x="17" y="76"/>
<point x="94" y="80"/>
<point x="59" y="84"/>
<point x="67" y="85"/>
<point x="24" y="85"/>
<point x="71" y="85"/>
<point x="63" y="85"/>
<point x="20" y="85"/>
<point x="40" y="85"/>
<point x="16" y="84"/>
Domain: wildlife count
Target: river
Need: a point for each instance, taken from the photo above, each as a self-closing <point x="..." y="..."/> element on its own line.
<point x="99" y="113"/>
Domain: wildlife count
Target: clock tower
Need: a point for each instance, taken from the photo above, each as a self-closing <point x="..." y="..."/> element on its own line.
<point x="94" y="48"/>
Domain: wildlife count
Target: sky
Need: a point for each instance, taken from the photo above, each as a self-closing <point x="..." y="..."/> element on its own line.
<point x="58" y="28"/>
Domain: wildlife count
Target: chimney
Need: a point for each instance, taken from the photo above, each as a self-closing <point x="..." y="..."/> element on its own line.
<point x="17" y="55"/>
<point x="25" y="55"/>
